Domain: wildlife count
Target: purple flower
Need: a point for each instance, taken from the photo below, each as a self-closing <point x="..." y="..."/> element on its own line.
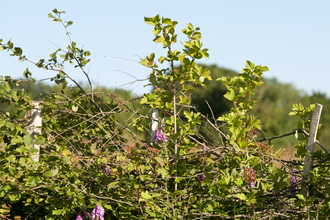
<point x="85" y="215"/>
<point x="294" y="177"/>
<point x="200" y="178"/>
<point x="79" y="217"/>
<point x="294" y="181"/>
<point x="253" y="183"/>
<point x="204" y="149"/>
<point x="159" y="136"/>
<point x="97" y="213"/>
<point x="105" y="170"/>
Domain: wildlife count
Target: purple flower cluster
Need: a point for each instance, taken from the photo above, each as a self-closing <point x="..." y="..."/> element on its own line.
<point x="294" y="181"/>
<point x="200" y="178"/>
<point x="85" y="215"/>
<point x="105" y="170"/>
<point x="204" y="149"/>
<point x="97" y="214"/>
<point x="159" y="136"/>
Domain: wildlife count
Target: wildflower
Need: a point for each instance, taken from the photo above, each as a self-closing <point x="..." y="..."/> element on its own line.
<point x="204" y="154"/>
<point x="79" y="217"/>
<point x="294" y="181"/>
<point x="200" y="178"/>
<point x="159" y="136"/>
<point x="105" y="170"/>
<point x="97" y="213"/>
<point x="85" y="215"/>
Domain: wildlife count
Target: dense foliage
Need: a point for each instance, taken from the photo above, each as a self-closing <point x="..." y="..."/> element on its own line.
<point x="88" y="168"/>
<point x="274" y="102"/>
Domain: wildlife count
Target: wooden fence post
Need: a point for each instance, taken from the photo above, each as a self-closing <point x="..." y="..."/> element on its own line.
<point x="34" y="126"/>
<point x="308" y="163"/>
<point x="153" y="125"/>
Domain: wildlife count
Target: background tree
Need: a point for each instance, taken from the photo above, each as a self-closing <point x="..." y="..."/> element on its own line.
<point x="275" y="101"/>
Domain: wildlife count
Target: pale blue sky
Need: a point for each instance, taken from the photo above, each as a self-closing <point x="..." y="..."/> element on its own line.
<point x="290" y="37"/>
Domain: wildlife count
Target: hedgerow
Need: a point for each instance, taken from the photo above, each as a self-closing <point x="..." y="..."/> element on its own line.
<point x="92" y="165"/>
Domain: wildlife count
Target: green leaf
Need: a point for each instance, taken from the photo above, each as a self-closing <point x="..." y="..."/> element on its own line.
<point x="27" y="140"/>
<point x="39" y="139"/>
<point x="153" y="79"/>
<point x="10" y="125"/>
<point x="14" y="197"/>
<point x="301" y="197"/>
<point x="34" y="179"/>
<point x="149" y="21"/>
<point x="167" y="21"/>
<point x="4" y="209"/>
<point x="4" y="190"/>
<point x="162" y="171"/>
<point x="146" y="195"/>
<point x="74" y="108"/>
<point x="112" y="118"/>
<point x="241" y="196"/>
<point x="69" y="23"/>
<point x="249" y="65"/>
<point x="11" y="158"/>
<point x="160" y="161"/>
<point x="178" y="179"/>
<point x="22" y="161"/>
<point x="66" y="152"/>
<point x="159" y="39"/>
<point x="109" y="207"/>
<point x="230" y="94"/>
<point x="66" y="160"/>
<point x="27" y="73"/>
<point x="48" y="173"/>
<point x="33" y="150"/>
<point x="157" y="30"/>
<point x="112" y="185"/>
<point x="57" y="211"/>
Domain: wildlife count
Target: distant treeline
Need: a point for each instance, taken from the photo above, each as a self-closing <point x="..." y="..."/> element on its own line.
<point x="275" y="100"/>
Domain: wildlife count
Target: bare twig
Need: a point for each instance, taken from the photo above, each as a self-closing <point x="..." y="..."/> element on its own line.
<point x="123" y="58"/>
<point x="294" y="132"/>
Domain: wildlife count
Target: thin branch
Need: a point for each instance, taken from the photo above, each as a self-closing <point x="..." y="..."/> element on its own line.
<point x="8" y="116"/>
<point x="121" y="58"/>
<point x="294" y="132"/>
